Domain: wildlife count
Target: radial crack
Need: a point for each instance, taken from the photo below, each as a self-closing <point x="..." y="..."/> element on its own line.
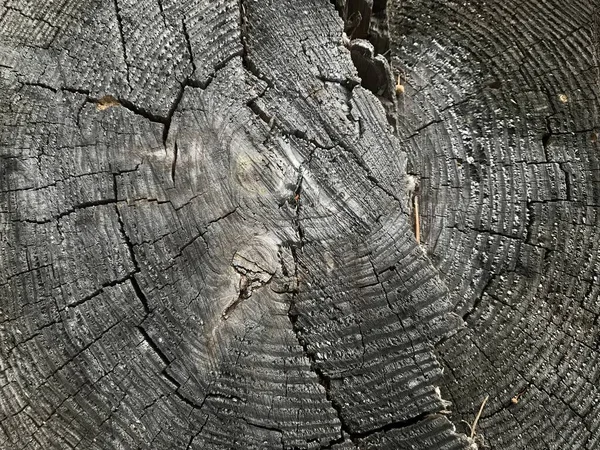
<point x="120" y="26"/>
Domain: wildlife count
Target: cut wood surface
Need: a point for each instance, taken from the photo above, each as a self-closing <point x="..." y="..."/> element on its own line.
<point x="208" y="231"/>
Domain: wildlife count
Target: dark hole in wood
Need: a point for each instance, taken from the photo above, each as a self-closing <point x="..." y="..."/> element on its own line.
<point x="546" y="139"/>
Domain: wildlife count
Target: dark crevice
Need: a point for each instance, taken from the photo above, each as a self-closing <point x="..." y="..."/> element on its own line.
<point x="140" y="111"/>
<point x="376" y="76"/>
<point x="374" y="71"/>
<point x="220" y="65"/>
<point x="568" y="181"/>
<point x="244" y="38"/>
<point x="164" y="373"/>
<point x="479" y="298"/>
<point x="188" y="82"/>
<point x="272" y="122"/>
<point x="247" y="286"/>
<point x="296" y="202"/>
<point x="164" y="120"/>
<point x="369" y="176"/>
<point x="100" y="290"/>
<point x="134" y="283"/>
<point x="157" y="350"/>
<point x="396" y="425"/>
<point x="201" y="235"/>
<point x="547" y="136"/>
<point x="109" y="201"/>
<point x="546" y="142"/>
<point x="338" y="5"/>
<point x="166" y="361"/>
<point x="298" y="207"/>
<point x="530" y="221"/>
<point x="162" y="12"/>
<point x="140" y="294"/>
<point x="323" y="379"/>
<point x="293" y="316"/>
<point x="365" y="21"/>
<point x="262" y="427"/>
<point x="37" y="19"/>
<point x="76" y="90"/>
<point x="172" y="109"/>
<point x="246" y="61"/>
<point x="186" y="245"/>
<point x="261" y="113"/>
<point x="72" y="90"/>
<point x="120" y="26"/>
<point x="348" y="83"/>
<point x="72" y="210"/>
<point x="356" y="15"/>
<point x="379" y="6"/>
<point x="41" y="85"/>
<point x="189" y="45"/>
<point x="224" y="216"/>
<point x="422" y="127"/>
<point x="174" y="163"/>
<point x="194" y="436"/>
<point x="26" y="271"/>
<point x="302" y="135"/>
<point x="137" y="110"/>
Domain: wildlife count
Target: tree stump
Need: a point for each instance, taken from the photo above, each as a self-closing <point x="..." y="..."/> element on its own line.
<point x="299" y="225"/>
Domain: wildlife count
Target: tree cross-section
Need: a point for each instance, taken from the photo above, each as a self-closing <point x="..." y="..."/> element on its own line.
<point x="303" y="224"/>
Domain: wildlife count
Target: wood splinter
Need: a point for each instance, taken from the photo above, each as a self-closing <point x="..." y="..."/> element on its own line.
<point x="474" y="426"/>
<point x="399" y="87"/>
<point x="517" y="397"/>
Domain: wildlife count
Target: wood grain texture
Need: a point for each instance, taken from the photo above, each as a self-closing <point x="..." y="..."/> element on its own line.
<point x="207" y="235"/>
<point x="500" y="122"/>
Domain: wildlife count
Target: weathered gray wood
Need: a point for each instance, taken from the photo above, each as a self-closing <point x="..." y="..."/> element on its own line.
<point x="208" y="236"/>
<point x="500" y="122"/>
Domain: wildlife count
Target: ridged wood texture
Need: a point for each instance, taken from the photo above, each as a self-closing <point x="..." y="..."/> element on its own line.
<point x="500" y="123"/>
<point x="207" y="233"/>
